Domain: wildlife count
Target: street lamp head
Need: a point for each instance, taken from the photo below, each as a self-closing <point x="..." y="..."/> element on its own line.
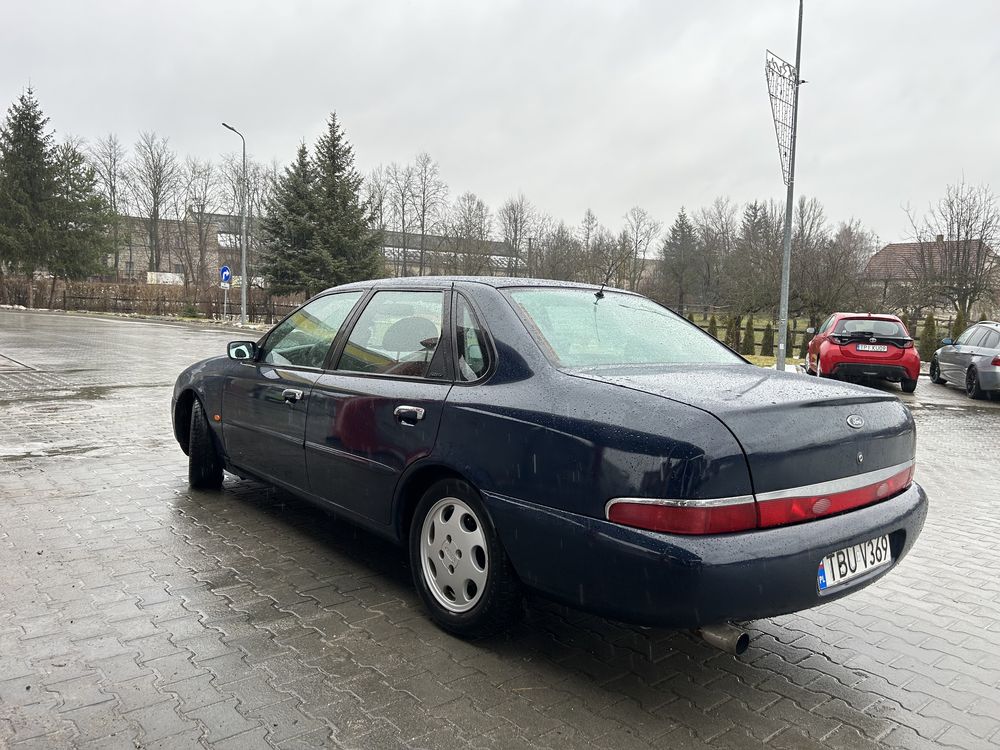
<point x="228" y="126"/>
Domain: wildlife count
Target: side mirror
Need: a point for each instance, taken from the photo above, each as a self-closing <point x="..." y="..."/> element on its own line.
<point x="946" y="342"/>
<point x="242" y="350"/>
<point x="810" y="329"/>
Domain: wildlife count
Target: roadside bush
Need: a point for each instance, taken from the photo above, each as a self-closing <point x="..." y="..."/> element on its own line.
<point x="767" y="341"/>
<point x="959" y="325"/>
<point x="928" y="338"/>
<point x="713" y="327"/>
<point x="733" y="332"/>
<point x="749" y="345"/>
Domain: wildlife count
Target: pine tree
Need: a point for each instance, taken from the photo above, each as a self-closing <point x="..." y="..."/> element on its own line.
<point x="733" y="332"/>
<point x="749" y="345"/>
<point x="290" y="260"/>
<point x="343" y="230"/>
<point x="713" y="327"/>
<point x="27" y="189"/>
<point x="767" y="341"/>
<point x="928" y="338"/>
<point x="80" y="218"/>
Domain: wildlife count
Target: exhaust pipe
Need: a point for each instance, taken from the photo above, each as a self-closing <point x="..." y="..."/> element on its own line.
<point x="726" y="638"/>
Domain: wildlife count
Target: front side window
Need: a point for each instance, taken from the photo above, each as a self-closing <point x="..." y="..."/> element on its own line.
<point x="826" y="324"/>
<point x="397" y="334"/>
<point x="580" y="329"/>
<point x="473" y="352"/>
<point x="304" y="338"/>
<point x="978" y="334"/>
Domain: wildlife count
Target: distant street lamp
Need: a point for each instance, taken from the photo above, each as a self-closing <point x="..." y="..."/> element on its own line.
<point x="244" y="280"/>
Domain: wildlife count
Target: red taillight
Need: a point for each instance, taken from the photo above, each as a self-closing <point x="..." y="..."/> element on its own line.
<point x="908" y="344"/>
<point x="686" y="519"/>
<point x="781" y="508"/>
<point x="995" y="361"/>
<point x="787" y="510"/>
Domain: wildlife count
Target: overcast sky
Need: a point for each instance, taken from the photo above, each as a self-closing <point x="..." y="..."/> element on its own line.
<point x="577" y="104"/>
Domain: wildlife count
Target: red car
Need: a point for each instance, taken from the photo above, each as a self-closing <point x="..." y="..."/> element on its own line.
<point x="854" y="346"/>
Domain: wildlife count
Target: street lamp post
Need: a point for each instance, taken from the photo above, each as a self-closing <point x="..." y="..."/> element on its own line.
<point x="244" y="279"/>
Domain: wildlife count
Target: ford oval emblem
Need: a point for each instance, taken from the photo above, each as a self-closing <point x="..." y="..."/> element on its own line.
<point x="855" y="421"/>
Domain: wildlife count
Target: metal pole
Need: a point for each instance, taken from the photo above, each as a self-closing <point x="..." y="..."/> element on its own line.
<point x="786" y="260"/>
<point x="244" y="280"/>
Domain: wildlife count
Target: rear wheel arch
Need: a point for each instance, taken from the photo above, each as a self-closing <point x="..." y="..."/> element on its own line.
<point x="412" y="487"/>
<point x="182" y="418"/>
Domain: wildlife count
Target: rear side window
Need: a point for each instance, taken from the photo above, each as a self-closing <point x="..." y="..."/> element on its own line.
<point x="967" y="335"/>
<point x="991" y="340"/>
<point x="826" y="324"/>
<point x="305" y="336"/>
<point x="871" y="327"/>
<point x="978" y="334"/>
<point x="397" y="334"/>
<point x="473" y="352"/>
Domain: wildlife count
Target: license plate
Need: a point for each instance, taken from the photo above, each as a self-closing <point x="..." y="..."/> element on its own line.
<point x="844" y="564"/>
<point x="873" y="347"/>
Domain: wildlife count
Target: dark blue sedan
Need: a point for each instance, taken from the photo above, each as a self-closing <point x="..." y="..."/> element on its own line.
<point x="581" y="442"/>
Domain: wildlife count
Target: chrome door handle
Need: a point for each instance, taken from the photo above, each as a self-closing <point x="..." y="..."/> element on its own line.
<point x="408" y="415"/>
<point x="291" y="395"/>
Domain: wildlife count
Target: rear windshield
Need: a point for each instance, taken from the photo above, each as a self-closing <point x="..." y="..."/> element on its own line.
<point x="582" y="330"/>
<point x="870" y="327"/>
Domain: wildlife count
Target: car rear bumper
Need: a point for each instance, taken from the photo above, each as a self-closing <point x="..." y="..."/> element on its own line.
<point x="873" y="370"/>
<point x="989" y="379"/>
<point x="677" y="581"/>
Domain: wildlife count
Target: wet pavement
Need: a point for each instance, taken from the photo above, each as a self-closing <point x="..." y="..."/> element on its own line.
<point x="135" y="612"/>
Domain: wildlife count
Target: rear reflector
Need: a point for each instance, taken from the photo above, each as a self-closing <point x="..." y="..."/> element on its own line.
<point x="781" y="508"/>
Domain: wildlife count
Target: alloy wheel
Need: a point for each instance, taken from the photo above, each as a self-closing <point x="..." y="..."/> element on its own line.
<point x="453" y="555"/>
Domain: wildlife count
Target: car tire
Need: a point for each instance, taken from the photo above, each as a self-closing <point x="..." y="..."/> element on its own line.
<point x="972" y="388"/>
<point x="204" y="462"/>
<point x="460" y="568"/>
<point x="935" y="373"/>
<point x="908" y="386"/>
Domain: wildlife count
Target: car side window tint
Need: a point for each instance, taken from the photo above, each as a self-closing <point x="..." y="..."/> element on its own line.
<point x="473" y="351"/>
<point x="826" y="324"/>
<point x="978" y="334"/>
<point x="397" y="334"/>
<point x="304" y="338"/>
<point x="991" y="340"/>
<point x="966" y="336"/>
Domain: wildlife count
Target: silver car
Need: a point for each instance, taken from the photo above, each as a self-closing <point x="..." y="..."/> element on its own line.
<point x="972" y="360"/>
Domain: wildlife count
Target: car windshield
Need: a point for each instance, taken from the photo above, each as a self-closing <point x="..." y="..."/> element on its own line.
<point x="579" y="329"/>
<point x="870" y="327"/>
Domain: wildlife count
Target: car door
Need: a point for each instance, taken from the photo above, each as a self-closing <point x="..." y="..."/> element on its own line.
<point x="819" y="338"/>
<point x="378" y="409"/>
<point x="265" y="404"/>
<point x="954" y="360"/>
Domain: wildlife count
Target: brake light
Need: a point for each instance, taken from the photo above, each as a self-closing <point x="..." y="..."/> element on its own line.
<point x="780" y="511"/>
<point x="908" y="344"/>
<point x="842" y="341"/>
<point x="686" y="517"/>
<point x="995" y="361"/>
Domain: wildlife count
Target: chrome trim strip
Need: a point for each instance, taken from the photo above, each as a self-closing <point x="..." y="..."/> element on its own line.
<point x="679" y="503"/>
<point x="846" y="484"/>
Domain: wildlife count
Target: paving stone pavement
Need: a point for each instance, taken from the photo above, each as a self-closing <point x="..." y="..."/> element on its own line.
<point x="135" y="612"/>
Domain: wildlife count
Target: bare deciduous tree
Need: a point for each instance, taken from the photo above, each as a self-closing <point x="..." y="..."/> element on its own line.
<point x="516" y="218"/>
<point x="197" y="202"/>
<point x="641" y="230"/>
<point x="957" y="253"/>
<point x="108" y="158"/>
<point x="429" y="200"/>
<point x="153" y="176"/>
<point x="401" y="182"/>
<point x="376" y="192"/>
<point x="469" y="230"/>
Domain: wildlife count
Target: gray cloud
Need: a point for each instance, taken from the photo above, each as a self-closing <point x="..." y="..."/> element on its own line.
<point x="576" y="104"/>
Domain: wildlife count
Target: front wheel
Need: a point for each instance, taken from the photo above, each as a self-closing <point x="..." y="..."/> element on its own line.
<point x="204" y="462"/>
<point x="908" y="386"/>
<point x="460" y="568"/>
<point x="972" y="388"/>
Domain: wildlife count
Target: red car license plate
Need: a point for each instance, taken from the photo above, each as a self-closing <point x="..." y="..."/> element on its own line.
<point x="873" y="347"/>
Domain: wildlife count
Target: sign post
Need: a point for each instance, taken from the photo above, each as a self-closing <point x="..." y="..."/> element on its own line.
<point x="225" y="275"/>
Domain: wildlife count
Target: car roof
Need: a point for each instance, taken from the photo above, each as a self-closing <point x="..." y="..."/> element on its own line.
<point x="497" y="282"/>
